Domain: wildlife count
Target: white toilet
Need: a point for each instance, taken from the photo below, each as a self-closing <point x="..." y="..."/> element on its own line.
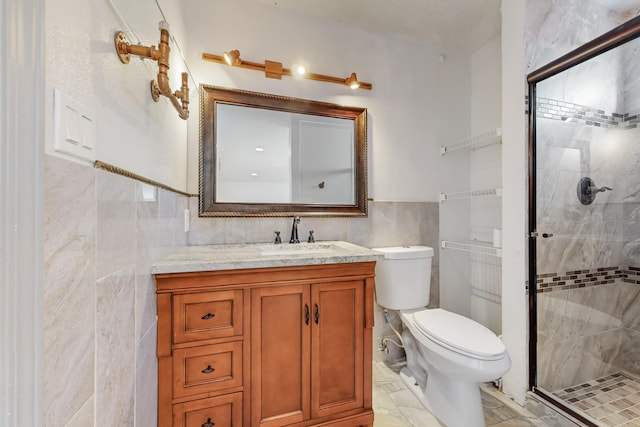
<point x="448" y="355"/>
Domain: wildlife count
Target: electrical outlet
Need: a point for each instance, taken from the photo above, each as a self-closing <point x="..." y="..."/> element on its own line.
<point x="379" y="344"/>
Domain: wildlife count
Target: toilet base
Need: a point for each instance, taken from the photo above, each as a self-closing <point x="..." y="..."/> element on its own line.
<point x="465" y="411"/>
<point x="414" y="387"/>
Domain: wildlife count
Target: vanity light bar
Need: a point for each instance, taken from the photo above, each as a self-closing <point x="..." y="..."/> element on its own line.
<point x="275" y="70"/>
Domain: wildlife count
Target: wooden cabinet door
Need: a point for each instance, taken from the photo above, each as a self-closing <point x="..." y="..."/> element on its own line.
<point x="220" y="411"/>
<point x="280" y="363"/>
<point x="207" y="315"/>
<point x="337" y="355"/>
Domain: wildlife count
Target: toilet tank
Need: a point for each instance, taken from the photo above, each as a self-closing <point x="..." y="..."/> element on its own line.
<point x="403" y="277"/>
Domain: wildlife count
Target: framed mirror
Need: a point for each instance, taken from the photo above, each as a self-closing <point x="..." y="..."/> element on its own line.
<point x="268" y="155"/>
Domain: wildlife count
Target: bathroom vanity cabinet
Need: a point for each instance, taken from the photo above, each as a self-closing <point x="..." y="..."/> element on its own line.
<point x="268" y="346"/>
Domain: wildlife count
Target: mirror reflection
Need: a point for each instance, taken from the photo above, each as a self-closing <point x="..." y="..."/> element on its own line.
<point x="269" y="155"/>
<point x="282" y="157"/>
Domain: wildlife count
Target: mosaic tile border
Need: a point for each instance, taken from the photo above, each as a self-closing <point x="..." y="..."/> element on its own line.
<point x="576" y="113"/>
<point x="632" y="275"/>
<point x="549" y="282"/>
<point x="577" y="393"/>
<point x="553" y="109"/>
<point x="613" y="400"/>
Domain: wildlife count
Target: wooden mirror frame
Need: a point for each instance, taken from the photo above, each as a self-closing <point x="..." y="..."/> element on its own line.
<point x="210" y="96"/>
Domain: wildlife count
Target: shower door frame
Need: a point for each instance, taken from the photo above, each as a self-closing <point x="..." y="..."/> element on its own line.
<point x="620" y="35"/>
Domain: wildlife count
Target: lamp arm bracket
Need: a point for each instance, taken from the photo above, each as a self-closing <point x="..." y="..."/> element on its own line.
<point x="179" y="99"/>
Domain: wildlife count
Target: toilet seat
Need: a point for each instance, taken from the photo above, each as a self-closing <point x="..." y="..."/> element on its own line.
<point x="459" y="334"/>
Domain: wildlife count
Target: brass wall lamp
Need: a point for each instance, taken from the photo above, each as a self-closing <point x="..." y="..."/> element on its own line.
<point x="179" y="99"/>
<point x="275" y="70"/>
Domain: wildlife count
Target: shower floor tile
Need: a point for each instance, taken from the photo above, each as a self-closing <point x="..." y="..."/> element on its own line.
<point x="613" y="400"/>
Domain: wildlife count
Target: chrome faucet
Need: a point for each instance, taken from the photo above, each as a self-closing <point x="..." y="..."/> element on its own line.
<point x="294" y="230"/>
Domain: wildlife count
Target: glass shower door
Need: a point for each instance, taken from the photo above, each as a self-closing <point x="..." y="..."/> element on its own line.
<point x="588" y="243"/>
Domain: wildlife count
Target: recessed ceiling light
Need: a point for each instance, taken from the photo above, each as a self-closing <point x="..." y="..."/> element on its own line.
<point x="254" y="174"/>
<point x="259" y="149"/>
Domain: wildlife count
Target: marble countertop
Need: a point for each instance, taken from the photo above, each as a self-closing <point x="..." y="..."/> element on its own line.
<point x="258" y="255"/>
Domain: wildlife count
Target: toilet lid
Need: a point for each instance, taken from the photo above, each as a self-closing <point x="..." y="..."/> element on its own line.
<point x="459" y="333"/>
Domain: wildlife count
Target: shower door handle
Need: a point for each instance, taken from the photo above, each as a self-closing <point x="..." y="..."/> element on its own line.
<point x="544" y="235"/>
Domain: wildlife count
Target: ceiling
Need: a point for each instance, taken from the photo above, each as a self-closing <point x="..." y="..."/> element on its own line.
<point x="449" y="25"/>
<point x="458" y="25"/>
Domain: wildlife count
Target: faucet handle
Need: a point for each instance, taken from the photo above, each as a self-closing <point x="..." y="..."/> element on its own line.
<point x="311" y="238"/>
<point x="278" y="238"/>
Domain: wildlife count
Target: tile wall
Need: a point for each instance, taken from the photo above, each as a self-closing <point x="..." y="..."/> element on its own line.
<point x="99" y="299"/>
<point x="587" y="333"/>
<point x="588" y="271"/>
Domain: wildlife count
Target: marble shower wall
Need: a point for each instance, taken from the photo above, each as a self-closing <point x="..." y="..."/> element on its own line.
<point x="101" y="235"/>
<point x="388" y="224"/>
<point x="555" y="27"/>
<point x="589" y="129"/>
<point x="587" y="333"/>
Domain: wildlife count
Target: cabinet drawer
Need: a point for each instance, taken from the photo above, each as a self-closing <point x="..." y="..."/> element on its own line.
<point x="207" y="315"/>
<point x="207" y="368"/>
<point x="220" y="411"/>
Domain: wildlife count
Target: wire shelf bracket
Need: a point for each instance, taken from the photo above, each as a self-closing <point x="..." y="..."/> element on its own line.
<point x="476" y="249"/>
<point x="486" y="139"/>
<point x="497" y="192"/>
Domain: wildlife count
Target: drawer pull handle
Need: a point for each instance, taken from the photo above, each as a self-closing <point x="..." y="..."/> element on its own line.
<point x="208" y="370"/>
<point x="317" y="314"/>
<point x="208" y="423"/>
<point x="208" y="316"/>
<point x="307" y="314"/>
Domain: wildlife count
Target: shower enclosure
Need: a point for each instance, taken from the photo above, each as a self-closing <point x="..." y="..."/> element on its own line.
<point x="585" y="229"/>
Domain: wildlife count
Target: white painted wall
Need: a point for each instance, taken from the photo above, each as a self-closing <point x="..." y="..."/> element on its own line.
<point x="486" y="87"/>
<point x="416" y="100"/>
<point x="514" y="199"/>
<point x="133" y="131"/>
<point x="470" y="283"/>
<point x="485" y="172"/>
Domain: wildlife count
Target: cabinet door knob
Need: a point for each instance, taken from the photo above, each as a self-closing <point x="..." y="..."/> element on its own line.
<point x="307" y="314"/>
<point x="208" y="370"/>
<point x="208" y="423"/>
<point x="208" y="316"/>
<point x="317" y="314"/>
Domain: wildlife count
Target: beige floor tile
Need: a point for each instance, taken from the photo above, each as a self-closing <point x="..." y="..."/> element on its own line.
<point x="598" y="412"/>
<point x="395" y="406"/>
<point x="384" y="420"/>
<point x="516" y="422"/>
<point x="617" y="419"/>
<point x="419" y="417"/>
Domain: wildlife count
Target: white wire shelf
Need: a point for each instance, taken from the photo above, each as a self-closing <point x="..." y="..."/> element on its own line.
<point x="486" y="139"/>
<point x="497" y="192"/>
<point x="473" y="248"/>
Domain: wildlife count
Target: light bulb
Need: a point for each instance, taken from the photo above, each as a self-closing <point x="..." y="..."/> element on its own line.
<point x="352" y="81"/>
